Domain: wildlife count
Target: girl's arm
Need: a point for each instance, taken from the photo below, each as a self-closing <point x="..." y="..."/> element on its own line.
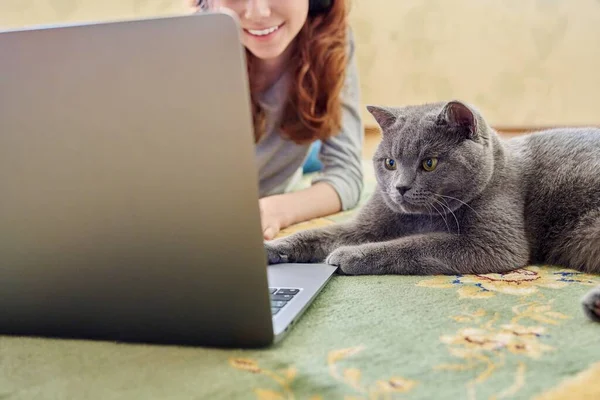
<point x="339" y="185"/>
<point x="283" y="210"/>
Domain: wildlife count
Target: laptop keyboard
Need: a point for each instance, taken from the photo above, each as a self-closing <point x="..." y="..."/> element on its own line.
<point x="281" y="297"/>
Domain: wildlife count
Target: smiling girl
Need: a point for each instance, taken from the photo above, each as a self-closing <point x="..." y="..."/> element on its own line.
<point x="304" y="91"/>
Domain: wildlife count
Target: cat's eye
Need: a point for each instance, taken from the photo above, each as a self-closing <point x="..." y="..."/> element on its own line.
<point x="390" y="164"/>
<point x="429" y="164"/>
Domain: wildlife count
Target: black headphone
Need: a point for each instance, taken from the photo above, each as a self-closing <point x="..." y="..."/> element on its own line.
<point x="319" y="6"/>
<point x="314" y="6"/>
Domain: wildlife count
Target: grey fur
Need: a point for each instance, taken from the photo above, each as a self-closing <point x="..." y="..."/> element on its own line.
<point x="490" y="206"/>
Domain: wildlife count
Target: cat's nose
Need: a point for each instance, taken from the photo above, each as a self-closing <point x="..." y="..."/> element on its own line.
<point x="402" y="189"/>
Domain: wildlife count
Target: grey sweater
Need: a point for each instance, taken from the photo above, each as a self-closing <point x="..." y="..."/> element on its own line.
<point x="280" y="161"/>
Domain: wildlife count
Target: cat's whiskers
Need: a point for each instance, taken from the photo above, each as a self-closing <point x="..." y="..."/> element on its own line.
<point x="430" y="212"/>
<point x="441" y="214"/>
<point x="454" y="215"/>
<point x="446" y="207"/>
<point x="460" y="201"/>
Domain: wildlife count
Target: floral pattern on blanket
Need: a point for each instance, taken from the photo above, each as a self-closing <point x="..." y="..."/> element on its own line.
<point x="348" y="376"/>
<point x="485" y="342"/>
<point x="520" y="282"/>
<point x="486" y="347"/>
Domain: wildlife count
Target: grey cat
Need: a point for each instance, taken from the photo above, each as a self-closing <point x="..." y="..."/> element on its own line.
<point x="452" y="197"/>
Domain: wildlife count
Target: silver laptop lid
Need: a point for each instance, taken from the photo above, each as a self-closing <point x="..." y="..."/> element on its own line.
<point x="129" y="192"/>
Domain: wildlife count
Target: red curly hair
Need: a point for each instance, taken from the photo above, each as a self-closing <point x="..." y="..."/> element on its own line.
<point x="313" y="107"/>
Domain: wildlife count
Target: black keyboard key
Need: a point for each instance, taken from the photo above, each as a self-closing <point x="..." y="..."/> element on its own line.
<point x="275" y="310"/>
<point x="288" y="291"/>
<point x="272" y="290"/>
<point x="279" y="297"/>
<point x="278" y="304"/>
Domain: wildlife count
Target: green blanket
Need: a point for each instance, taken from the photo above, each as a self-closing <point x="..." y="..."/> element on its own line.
<point x="517" y="335"/>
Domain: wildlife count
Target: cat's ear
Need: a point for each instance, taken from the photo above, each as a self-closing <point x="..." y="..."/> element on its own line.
<point x="384" y="116"/>
<point x="459" y="115"/>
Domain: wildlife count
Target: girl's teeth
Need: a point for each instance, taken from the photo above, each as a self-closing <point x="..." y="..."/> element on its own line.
<point x="263" y="32"/>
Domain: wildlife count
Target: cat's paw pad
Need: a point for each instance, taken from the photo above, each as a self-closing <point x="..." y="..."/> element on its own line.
<point x="278" y="251"/>
<point x="591" y="304"/>
<point x="348" y="259"/>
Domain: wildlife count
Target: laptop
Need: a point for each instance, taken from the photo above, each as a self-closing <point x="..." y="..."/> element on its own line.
<point x="129" y="192"/>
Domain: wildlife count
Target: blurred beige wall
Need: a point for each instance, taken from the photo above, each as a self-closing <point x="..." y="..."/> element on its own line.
<point x="522" y="62"/>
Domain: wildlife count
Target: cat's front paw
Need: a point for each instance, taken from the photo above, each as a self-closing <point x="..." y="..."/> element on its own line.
<point x="591" y="304"/>
<point x="279" y="251"/>
<point x="349" y="259"/>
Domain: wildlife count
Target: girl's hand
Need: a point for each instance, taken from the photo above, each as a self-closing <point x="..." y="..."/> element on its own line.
<point x="273" y="215"/>
<point x="280" y="211"/>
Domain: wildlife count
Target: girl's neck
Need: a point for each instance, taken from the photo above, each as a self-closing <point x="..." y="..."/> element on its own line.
<point x="269" y="71"/>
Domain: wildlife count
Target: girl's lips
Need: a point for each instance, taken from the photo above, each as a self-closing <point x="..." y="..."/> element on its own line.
<point x="265" y="33"/>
